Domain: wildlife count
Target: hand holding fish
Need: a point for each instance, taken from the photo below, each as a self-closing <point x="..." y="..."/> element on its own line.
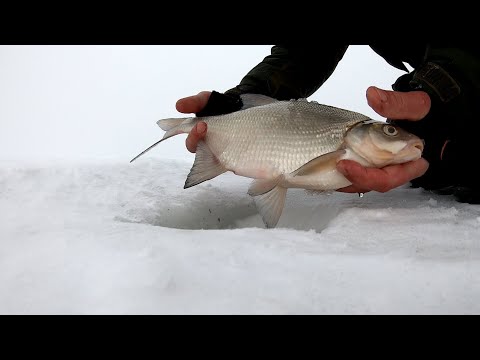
<point x="394" y="105"/>
<point x="284" y="144"/>
<point x="191" y="105"/>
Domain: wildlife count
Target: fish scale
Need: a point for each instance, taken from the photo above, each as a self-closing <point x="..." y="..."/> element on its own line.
<point x="282" y="136"/>
<point x="289" y="144"/>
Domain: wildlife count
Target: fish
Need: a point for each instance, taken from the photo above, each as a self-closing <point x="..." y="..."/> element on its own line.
<point x="283" y="144"/>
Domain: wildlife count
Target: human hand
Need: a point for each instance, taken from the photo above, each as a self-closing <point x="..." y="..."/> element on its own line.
<point x="194" y="104"/>
<point x="393" y="105"/>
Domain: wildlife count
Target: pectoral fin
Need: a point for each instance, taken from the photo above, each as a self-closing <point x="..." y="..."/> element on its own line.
<point x="321" y="163"/>
<point x="319" y="174"/>
<point x="206" y="166"/>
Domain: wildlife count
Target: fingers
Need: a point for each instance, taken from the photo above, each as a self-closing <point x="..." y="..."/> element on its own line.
<point x="193" y="104"/>
<point x="196" y="134"/>
<point x="381" y="180"/>
<point x="395" y="105"/>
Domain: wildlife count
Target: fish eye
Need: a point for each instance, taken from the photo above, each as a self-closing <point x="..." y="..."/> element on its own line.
<point x="390" y="130"/>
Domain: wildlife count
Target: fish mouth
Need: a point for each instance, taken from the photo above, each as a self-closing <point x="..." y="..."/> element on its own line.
<point x="417" y="145"/>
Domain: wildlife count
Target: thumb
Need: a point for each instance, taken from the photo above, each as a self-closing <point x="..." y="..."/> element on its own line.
<point x="193" y="104"/>
<point x="396" y="105"/>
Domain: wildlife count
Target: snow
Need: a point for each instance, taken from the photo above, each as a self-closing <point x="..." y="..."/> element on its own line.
<point x="83" y="231"/>
<point x="109" y="237"/>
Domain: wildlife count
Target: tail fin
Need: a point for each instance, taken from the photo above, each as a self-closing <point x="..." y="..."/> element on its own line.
<point x="173" y="126"/>
<point x="168" y="124"/>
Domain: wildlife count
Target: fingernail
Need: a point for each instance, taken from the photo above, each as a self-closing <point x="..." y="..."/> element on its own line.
<point x="381" y="95"/>
<point x="201" y="128"/>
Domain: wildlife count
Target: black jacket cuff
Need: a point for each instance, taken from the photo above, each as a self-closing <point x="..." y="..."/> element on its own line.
<point x="219" y="104"/>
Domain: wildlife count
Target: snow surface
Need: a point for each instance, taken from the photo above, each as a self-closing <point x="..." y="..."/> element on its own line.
<point x="119" y="238"/>
<point x="83" y="231"/>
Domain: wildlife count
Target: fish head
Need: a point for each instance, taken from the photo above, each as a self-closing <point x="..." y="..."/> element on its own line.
<point x="381" y="144"/>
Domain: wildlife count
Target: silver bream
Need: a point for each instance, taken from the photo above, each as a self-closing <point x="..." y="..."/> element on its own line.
<point x="290" y="144"/>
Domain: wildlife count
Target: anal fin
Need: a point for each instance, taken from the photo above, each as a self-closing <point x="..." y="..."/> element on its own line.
<point x="206" y="166"/>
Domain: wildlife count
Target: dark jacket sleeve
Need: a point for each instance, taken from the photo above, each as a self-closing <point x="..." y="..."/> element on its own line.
<point x="291" y="72"/>
<point x="451" y="77"/>
<point x="449" y="73"/>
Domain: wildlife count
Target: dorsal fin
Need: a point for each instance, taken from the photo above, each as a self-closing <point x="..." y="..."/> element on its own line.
<point x="252" y="100"/>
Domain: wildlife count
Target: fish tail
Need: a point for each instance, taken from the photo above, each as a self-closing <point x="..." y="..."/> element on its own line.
<point x="169" y="124"/>
<point x="173" y="126"/>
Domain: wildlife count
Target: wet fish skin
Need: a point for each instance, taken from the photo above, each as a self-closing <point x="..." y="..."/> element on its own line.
<point x="278" y="135"/>
<point x="289" y="144"/>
